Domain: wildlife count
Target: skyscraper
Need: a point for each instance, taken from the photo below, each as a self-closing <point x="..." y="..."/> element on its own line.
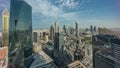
<point x="64" y="29"/>
<point x="91" y="29"/>
<point x="76" y="29"/>
<point x="56" y="27"/>
<point x="59" y="41"/>
<point x="0" y="39"/>
<point x="58" y="49"/>
<point x="110" y="56"/>
<point x="117" y="55"/>
<point x="35" y="37"/>
<point x="58" y="46"/>
<point x="58" y="38"/>
<point x="20" y="28"/>
<point x="46" y="37"/>
<point x="52" y="32"/>
<point x="95" y="29"/>
<point x="5" y="27"/>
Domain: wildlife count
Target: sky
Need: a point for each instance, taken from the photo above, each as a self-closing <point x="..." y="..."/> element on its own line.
<point x="101" y="13"/>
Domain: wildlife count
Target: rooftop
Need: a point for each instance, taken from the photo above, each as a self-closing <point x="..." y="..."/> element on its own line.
<point x="3" y="52"/>
<point x="3" y="57"/>
<point x="5" y="12"/>
<point x="76" y="64"/>
<point x="40" y="59"/>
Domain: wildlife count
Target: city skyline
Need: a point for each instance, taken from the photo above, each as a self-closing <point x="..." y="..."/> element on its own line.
<point x="86" y="12"/>
<point x="59" y="34"/>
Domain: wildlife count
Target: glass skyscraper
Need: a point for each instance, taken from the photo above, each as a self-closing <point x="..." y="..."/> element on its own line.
<point x="20" y="29"/>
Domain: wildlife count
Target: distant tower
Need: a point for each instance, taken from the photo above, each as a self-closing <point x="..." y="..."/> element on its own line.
<point x="58" y="38"/>
<point x="95" y="28"/>
<point x="35" y="37"/>
<point x="91" y="29"/>
<point x="46" y="37"/>
<point x="64" y="29"/>
<point x="56" y="27"/>
<point x="76" y="29"/>
<point x="52" y="32"/>
<point x="5" y="27"/>
<point x="86" y="29"/>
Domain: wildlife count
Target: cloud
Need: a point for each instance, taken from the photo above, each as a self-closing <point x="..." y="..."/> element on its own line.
<point x="45" y="12"/>
<point x="68" y="4"/>
<point x="46" y="8"/>
<point x="69" y="16"/>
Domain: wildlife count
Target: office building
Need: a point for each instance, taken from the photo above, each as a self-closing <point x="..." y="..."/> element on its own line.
<point x="64" y="29"/>
<point x="58" y="41"/>
<point x="4" y="57"/>
<point x="76" y="29"/>
<point x="58" y="38"/>
<point x="46" y="38"/>
<point x="0" y="39"/>
<point x="35" y="37"/>
<point x="5" y="27"/>
<point x="20" y="30"/>
<point x="106" y="51"/>
<point x="58" y="48"/>
<point x="117" y="54"/>
<point x="56" y="27"/>
<point x="42" y="60"/>
<point x="52" y="32"/>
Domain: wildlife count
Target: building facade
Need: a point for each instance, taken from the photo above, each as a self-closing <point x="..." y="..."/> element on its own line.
<point x="52" y="32"/>
<point x="20" y="30"/>
<point x="5" y="27"/>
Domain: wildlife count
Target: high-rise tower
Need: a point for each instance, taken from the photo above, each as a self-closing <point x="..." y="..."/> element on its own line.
<point x="64" y="29"/>
<point x="20" y="30"/>
<point x="52" y="32"/>
<point x="91" y="29"/>
<point x="5" y="27"/>
<point x="76" y="29"/>
<point x="56" y="27"/>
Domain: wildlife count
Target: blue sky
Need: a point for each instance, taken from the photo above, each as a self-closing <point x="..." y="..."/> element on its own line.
<point x="101" y="13"/>
<point x="86" y="12"/>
